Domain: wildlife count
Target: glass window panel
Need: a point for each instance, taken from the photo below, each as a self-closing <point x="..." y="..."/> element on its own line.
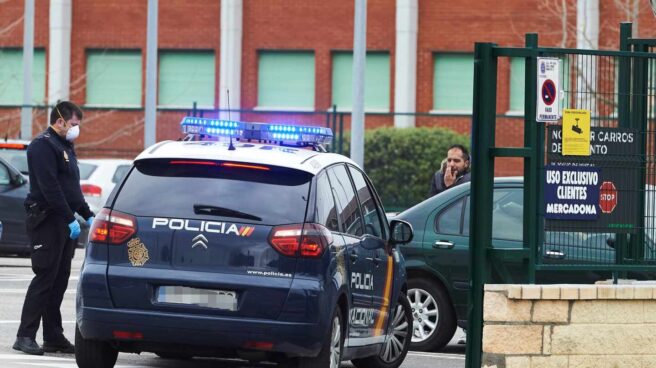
<point x="517" y="84"/>
<point x="376" y="80"/>
<point x="285" y="79"/>
<point x="449" y="220"/>
<point x="371" y="213"/>
<point x="11" y="77"/>
<point x="508" y="214"/>
<point x="453" y="82"/>
<point x="326" y="210"/>
<point x="349" y="208"/>
<point x="114" y="78"/>
<point x="186" y="77"/>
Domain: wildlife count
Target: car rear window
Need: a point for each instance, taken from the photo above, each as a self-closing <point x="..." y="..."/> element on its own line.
<point x="120" y="172"/>
<point x="165" y="188"/>
<point x="17" y="158"/>
<point x="86" y="170"/>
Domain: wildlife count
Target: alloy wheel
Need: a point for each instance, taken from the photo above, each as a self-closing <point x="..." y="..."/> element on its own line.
<point x="336" y="343"/>
<point x="397" y="339"/>
<point x="425" y="314"/>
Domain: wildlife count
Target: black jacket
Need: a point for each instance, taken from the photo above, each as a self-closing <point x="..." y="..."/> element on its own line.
<point x="437" y="182"/>
<point x="55" y="176"/>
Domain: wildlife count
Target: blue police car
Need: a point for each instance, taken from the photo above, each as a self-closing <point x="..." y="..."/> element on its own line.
<point x="245" y="240"/>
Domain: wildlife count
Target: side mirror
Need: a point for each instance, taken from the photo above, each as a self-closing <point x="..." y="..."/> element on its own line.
<point x="18" y="180"/>
<point x="611" y="242"/>
<point x="401" y="232"/>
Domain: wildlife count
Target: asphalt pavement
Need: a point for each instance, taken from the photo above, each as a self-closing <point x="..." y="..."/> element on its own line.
<point x="16" y="274"/>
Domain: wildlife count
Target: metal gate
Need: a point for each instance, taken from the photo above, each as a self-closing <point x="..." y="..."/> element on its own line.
<point x="619" y="89"/>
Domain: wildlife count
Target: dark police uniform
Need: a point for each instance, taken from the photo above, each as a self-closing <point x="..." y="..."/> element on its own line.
<point x="55" y="195"/>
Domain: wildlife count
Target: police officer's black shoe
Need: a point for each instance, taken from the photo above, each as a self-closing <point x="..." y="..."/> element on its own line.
<point x="28" y="346"/>
<point x="60" y="346"/>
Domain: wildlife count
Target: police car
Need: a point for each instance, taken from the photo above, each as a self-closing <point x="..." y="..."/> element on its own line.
<point x="245" y="240"/>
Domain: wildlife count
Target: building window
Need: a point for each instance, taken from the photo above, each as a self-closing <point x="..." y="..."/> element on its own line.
<point x="113" y="78"/>
<point x="285" y="80"/>
<point x="11" y="77"/>
<point x="453" y="83"/>
<point x="186" y="77"/>
<point x="376" y="81"/>
<point x="517" y="83"/>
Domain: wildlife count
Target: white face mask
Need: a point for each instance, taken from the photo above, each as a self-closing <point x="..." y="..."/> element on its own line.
<point x="73" y="133"/>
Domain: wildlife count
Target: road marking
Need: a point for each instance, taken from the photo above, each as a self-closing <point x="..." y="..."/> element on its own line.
<point x="10" y="321"/>
<point x="29" y="278"/>
<point x="44" y="361"/>
<point x="437" y="355"/>
<point x="23" y="291"/>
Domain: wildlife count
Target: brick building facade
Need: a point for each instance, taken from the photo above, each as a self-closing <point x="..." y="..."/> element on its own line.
<point x="321" y="28"/>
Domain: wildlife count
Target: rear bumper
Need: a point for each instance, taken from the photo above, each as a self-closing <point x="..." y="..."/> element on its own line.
<point x="163" y="329"/>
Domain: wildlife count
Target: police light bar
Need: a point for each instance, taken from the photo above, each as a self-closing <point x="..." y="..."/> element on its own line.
<point x="285" y="134"/>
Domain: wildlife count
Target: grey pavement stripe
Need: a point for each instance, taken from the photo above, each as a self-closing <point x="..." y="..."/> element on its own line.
<point x="10" y="321"/>
<point x="437" y="355"/>
<point x="22" y="291"/>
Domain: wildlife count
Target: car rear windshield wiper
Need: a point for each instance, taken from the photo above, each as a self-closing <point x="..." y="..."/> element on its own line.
<point x="222" y="211"/>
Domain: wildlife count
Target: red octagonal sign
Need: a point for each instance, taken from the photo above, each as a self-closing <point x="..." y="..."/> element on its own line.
<point x="607" y="197"/>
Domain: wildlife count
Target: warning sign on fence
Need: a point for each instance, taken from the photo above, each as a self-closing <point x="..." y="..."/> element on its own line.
<point x="576" y="132"/>
<point x="548" y="104"/>
<point x="592" y="192"/>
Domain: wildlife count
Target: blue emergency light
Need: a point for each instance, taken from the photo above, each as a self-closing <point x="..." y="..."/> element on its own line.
<point x="285" y="134"/>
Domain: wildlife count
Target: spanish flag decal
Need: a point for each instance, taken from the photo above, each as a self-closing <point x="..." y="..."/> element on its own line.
<point x="383" y="315"/>
<point x="246" y="230"/>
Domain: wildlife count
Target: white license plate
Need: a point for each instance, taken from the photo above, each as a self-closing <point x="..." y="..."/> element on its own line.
<point x="219" y="299"/>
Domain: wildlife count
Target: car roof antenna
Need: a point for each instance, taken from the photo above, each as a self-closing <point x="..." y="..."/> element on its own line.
<point x="231" y="147"/>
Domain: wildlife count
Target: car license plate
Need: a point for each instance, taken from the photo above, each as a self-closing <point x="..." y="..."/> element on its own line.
<point x="218" y="299"/>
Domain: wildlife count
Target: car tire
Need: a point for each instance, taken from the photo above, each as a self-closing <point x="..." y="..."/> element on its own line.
<point x="397" y="342"/>
<point x="93" y="354"/>
<point x="433" y="313"/>
<point x="331" y="348"/>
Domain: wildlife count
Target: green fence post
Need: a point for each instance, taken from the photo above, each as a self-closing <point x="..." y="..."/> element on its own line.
<point x="624" y="121"/>
<point x="483" y="124"/>
<point x="531" y="165"/>
<point x="639" y="122"/>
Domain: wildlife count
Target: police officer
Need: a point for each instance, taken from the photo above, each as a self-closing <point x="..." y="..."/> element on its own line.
<point x="55" y="195"/>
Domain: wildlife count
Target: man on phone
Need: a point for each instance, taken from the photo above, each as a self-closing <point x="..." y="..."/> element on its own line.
<point x="454" y="172"/>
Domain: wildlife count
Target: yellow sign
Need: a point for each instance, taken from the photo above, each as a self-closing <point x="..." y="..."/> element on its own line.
<point x="576" y="132"/>
<point x="137" y="252"/>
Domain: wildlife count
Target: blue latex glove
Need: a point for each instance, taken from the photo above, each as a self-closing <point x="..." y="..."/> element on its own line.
<point x="75" y="229"/>
<point x="90" y="221"/>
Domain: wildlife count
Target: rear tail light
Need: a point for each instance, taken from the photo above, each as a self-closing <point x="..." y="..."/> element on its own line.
<point x="91" y="190"/>
<point x="309" y="240"/>
<point x="127" y="335"/>
<point x="112" y="227"/>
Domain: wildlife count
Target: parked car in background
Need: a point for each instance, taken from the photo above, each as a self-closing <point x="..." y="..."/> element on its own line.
<point x="15" y="152"/>
<point x="13" y="190"/>
<point x="437" y="260"/>
<point x="98" y="178"/>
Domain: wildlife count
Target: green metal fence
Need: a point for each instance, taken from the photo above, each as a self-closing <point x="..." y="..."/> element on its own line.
<point x="619" y="89"/>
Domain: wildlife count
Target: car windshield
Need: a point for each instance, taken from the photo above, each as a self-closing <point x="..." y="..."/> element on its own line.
<point x="17" y="158"/>
<point x="275" y="196"/>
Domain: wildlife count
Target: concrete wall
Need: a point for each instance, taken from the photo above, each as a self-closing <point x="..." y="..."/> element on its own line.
<point x="569" y="326"/>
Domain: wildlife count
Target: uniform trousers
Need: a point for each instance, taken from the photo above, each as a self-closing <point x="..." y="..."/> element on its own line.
<point x="52" y="251"/>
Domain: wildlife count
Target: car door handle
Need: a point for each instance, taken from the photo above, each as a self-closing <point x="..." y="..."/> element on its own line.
<point x="443" y="244"/>
<point x="353" y="256"/>
<point x="554" y="254"/>
<point x="375" y="260"/>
